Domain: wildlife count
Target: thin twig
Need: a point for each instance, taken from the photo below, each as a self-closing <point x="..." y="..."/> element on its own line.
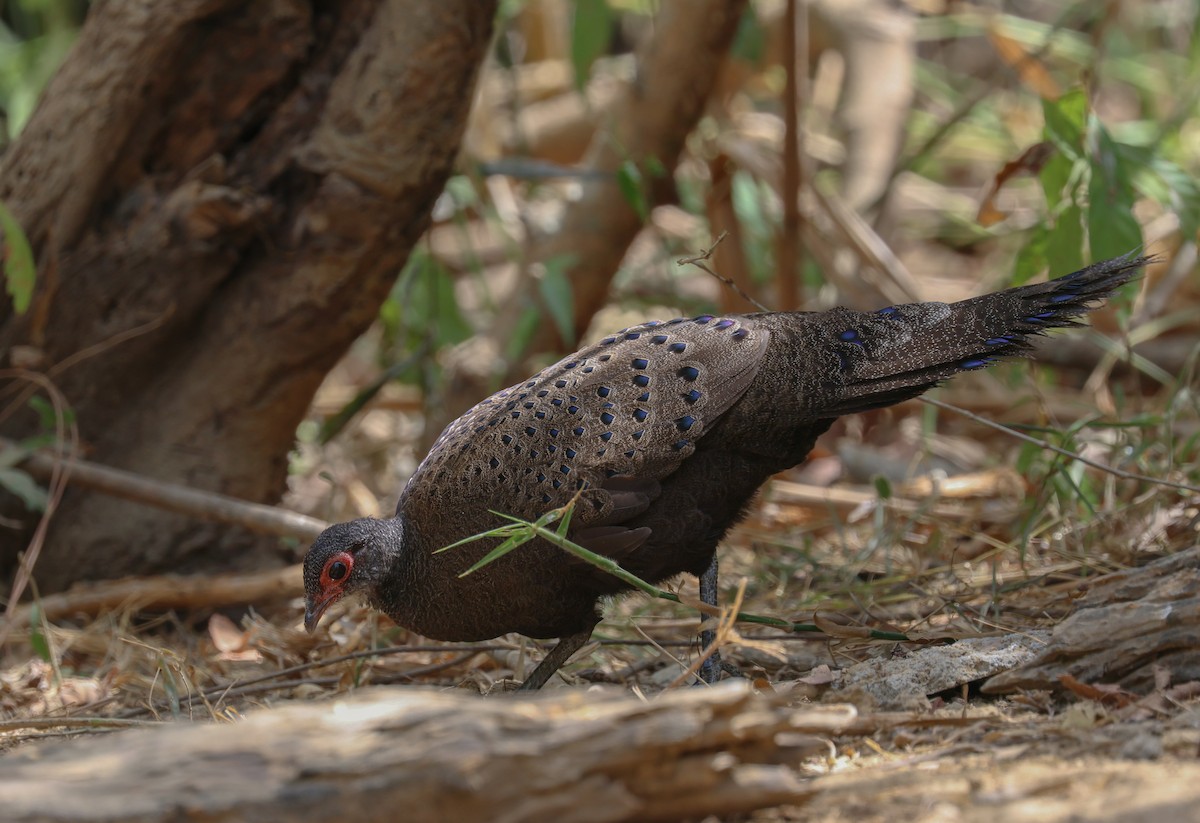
<point x="699" y="261"/>
<point x="1095" y="464"/>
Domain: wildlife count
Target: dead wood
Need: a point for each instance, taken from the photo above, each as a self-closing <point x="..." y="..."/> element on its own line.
<point x="168" y="591"/>
<point x="439" y="756"/>
<point x="241" y="182"/>
<point x="174" y="497"/>
<point x="1126" y="625"/>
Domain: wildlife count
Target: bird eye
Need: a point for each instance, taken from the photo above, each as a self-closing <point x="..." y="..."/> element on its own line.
<point x="337" y="569"/>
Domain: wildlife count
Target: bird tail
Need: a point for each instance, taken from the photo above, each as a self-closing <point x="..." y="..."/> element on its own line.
<point x="897" y="353"/>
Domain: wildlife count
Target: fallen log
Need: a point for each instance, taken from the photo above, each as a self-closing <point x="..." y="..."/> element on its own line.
<point x="417" y="755"/>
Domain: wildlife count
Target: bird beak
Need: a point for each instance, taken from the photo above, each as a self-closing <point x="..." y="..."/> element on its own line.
<point x="314" y="609"/>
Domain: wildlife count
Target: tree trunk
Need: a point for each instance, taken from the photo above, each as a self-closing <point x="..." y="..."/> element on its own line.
<point x="219" y="195"/>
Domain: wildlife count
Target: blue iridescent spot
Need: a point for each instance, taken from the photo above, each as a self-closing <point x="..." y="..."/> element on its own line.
<point x="887" y="312"/>
<point x="652" y="323"/>
<point x="556" y="484"/>
<point x="610" y="472"/>
<point x="606" y="418"/>
<point x="679" y="445"/>
<point x="529" y="405"/>
<point x="640" y="363"/>
<point x="530" y="430"/>
<point x="640" y="414"/>
<point x="644" y="397"/>
<point x="630" y="453"/>
<point x="723" y="324"/>
<point x="684" y="423"/>
<point x="570" y="453"/>
<point x="642" y="380"/>
<point x="1038" y="318"/>
<point x="511" y="404"/>
<point x="677" y="348"/>
<point x="658" y="339"/>
<point x="533" y="452"/>
<point x="676" y="321"/>
<point x="562" y="384"/>
<point x="843" y="361"/>
<point x="633" y="335"/>
<point x="493" y="462"/>
<point x="571" y="365"/>
<point x="588" y="369"/>
<point x="689" y="373"/>
<point x="604" y="358"/>
<point x="565" y="469"/>
<point x="606" y="436"/>
<point x="556" y="401"/>
<point x="1063" y="298"/>
<point x="702" y="319"/>
<point x="542" y="393"/>
<point x="849" y="335"/>
<point x="551" y="449"/>
<point x="553" y="432"/>
<point x="506" y="439"/>
<point x="603" y="391"/>
<point x="545" y="498"/>
<point x="608" y="341"/>
<point x="975" y="364"/>
<point x="480" y="429"/>
<point x="577" y="431"/>
<point x="740" y="334"/>
<point x="540" y="415"/>
<point x="572" y="409"/>
<point x="692" y="396"/>
<point x="600" y="452"/>
<point x="541" y="478"/>
<point x="637" y="435"/>
<point x="608" y="406"/>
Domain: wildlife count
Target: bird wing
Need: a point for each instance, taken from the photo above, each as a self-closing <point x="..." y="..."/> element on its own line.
<point x="608" y="422"/>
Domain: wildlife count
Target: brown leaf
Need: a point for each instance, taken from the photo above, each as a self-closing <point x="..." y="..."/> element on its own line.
<point x="1031" y="160"/>
<point x="1032" y="71"/>
<point x="1105" y="693"/>
<point x="225" y="635"/>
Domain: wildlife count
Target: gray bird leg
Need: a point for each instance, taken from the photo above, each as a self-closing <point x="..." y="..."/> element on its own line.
<point x="555" y="660"/>
<point x="710" y="669"/>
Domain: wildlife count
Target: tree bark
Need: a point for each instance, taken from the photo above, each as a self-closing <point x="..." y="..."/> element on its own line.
<point x="417" y="755"/>
<point x="228" y="189"/>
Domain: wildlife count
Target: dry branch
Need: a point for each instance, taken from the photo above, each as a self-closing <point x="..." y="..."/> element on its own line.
<point x="439" y="756"/>
<point x="169" y="591"/>
<point x="174" y="497"/>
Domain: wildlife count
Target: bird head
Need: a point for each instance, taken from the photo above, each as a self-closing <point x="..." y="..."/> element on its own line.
<point x="346" y="559"/>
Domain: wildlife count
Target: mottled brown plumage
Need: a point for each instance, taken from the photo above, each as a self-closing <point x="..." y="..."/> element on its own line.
<point x="667" y="430"/>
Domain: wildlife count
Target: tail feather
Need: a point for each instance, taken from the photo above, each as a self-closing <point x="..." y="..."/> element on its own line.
<point x="899" y="352"/>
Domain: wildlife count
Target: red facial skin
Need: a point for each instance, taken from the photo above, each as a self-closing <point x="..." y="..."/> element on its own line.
<point x="333" y="586"/>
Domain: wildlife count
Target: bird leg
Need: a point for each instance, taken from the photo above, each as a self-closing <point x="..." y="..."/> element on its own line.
<point x="554" y="661"/>
<point x="710" y="669"/>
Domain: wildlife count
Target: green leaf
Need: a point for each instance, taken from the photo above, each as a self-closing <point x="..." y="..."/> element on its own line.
<point x="20" y="274"/>
<point x="1112" y="228"/>
<point x="629" y="180"/>
<point x="882" y="487"/>
<point x="750" y="40"/>
<point x="526" y="326"/>
<point x="591" y="32"/>
<point x="1031" y="259"/>
<point x="501" y="550"/>
<point x="37" y="638"/>
<point x="555" y="289"/>
<point x="21" y="485"/>
<point x="1066" y="123"/>
<point x="1064" y="243"/>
